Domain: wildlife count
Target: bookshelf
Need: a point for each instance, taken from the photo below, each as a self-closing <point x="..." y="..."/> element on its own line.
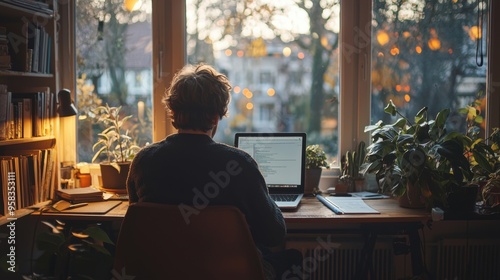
<point x="28" y="119"/>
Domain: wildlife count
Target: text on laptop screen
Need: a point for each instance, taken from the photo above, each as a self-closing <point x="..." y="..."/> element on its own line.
<point x="279" y="158"/>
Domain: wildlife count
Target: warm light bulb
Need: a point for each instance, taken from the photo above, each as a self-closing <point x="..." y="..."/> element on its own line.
<point x="434" y="44"/>
<point x="287" y="51"/>
<point x="382" y="37"/>
<point x="271" y="92"/>
<point x="475" y="33"/>
<point x="407" y="98"/>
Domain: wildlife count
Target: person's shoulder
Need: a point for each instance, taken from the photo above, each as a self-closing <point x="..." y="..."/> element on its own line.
<point x="150" y="149"/>
<point x="234" y="152"/>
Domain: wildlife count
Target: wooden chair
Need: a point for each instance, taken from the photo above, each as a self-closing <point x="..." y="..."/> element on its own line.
<point x="155" y="242"/>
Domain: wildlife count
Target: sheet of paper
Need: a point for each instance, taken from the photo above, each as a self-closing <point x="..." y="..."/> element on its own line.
<point x="351" y="205"/>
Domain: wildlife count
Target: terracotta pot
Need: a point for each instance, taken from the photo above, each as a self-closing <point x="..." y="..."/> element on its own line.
<point x="342" y="187"/>
<point x="412" y="198"/>
<point x="112" y="180"/>
<point x="359" y="185"/>
<point x="312" y="180"/>
<point x="490" y="195"/>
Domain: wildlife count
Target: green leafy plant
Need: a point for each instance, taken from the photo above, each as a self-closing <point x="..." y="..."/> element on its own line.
<point x="114" y="140"/>
<point x="67" y="252"/>
<point x="315" y="157"/>
<point x="352" y="161"/>
<point x="491" y="191"/>
<point x="483" y="154"/>
<point x="420" y="152"/>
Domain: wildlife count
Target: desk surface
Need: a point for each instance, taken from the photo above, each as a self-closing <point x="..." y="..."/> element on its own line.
<point x="310" y="211"/>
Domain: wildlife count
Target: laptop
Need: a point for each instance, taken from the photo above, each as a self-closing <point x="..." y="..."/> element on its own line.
<point x="281" y="160"/>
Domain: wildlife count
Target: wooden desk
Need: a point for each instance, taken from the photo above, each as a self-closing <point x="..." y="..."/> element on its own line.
<point x="311" y="213"/>
<point x="313" y="216"/>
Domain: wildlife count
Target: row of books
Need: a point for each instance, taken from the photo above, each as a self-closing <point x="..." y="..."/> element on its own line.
<point x="26" y="113"/>
<point x="27" y="178"/>
<point x="29" y="46"/>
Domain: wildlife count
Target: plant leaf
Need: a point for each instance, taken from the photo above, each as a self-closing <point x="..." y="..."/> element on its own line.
<point x="390" y="108"/>
<point x="98" y="234"/>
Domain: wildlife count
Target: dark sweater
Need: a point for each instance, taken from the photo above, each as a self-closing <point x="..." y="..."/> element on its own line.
<point x="194" y="171"/>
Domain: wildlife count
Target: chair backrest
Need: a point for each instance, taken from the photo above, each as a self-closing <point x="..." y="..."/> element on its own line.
<point x="155" y="242"/>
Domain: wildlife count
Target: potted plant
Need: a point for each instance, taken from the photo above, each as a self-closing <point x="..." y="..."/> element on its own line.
<point x="491" y="192"/>
<point x="350" y="168"/>
<point x="119" y="148"/>
<point x="417" y="161"/>
<point x="483" y="154"/>
<point x="315" y="162"/>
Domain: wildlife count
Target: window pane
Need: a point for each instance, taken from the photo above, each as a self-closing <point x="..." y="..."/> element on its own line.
<point x="428" y="53"/>
<point x="114" y="56"/>
<point x="281" y="58"/>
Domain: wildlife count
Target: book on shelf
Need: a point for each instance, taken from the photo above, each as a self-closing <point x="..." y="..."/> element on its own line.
<point x="5" y="101"/>
<point x="5" y="61"/>
<point x="34" y="46"/>
<point x="17" y="38"/>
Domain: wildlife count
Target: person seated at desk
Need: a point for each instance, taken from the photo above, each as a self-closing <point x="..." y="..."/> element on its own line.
<point x="193" y="171"/>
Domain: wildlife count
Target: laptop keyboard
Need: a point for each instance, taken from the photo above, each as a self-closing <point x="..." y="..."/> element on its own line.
<point x="284" y="197"/>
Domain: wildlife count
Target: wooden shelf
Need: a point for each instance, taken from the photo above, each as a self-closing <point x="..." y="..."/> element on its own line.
<point x="8" y="73"/>
<point x="17" y="11"/>
<point x="42" y="142"/>
<point x="19" y="214"/>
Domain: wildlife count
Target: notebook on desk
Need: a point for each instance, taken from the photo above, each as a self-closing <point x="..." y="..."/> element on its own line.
<point x="100" y="207"/>
<point x="281" y="160"/>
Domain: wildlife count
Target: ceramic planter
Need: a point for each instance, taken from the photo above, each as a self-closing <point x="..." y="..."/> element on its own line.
<point x="112" y="180"/>
<point x="312" y="180"/>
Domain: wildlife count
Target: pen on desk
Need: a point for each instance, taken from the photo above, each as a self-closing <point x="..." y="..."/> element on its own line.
<point x="329" y="205"/>
<point x="77" y="205"/>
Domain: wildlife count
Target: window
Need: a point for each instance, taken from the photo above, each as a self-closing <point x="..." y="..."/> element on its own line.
<point x="266" y="77"/>
<point x="282" y="59"/>
<point x="416" y="53"/>
<point x="334" y="102"/>
<point x="114" y="66"/>
<point x="431" y="54"/>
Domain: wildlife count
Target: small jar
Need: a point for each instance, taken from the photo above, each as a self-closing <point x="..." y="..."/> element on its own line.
<point x="85" y="179"/>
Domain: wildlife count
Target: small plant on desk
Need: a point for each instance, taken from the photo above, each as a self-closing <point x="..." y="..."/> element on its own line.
<point x="119" y="148"/>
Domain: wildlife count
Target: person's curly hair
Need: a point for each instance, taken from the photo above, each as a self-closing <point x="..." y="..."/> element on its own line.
<point x="196" y="96"/>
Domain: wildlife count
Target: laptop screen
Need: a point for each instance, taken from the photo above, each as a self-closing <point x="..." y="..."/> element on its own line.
<point x="280" y="156"/>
